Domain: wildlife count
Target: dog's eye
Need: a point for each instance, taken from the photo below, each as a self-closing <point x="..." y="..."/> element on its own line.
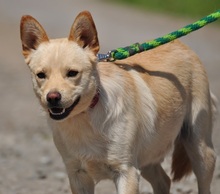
<point x="72" y="73"/>
<point x="41" y="75"/>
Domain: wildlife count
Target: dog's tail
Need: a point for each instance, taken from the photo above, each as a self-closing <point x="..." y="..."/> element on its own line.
<point x="181" y="165"/>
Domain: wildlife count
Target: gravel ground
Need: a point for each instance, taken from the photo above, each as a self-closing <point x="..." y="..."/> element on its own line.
<point x="29" y="162"/>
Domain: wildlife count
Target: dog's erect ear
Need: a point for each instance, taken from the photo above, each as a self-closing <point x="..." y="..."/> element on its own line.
<point x="32" y="34"/>
<point x="84" y="33"/>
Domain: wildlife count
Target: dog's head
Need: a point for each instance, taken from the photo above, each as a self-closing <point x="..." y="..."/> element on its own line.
<point x="63" y="70"/>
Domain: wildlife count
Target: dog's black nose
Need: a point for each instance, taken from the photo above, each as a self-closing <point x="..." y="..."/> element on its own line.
<point x="53" y="98"/>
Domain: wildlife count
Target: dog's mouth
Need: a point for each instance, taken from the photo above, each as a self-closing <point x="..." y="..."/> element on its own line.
<point x="57" y="113"/>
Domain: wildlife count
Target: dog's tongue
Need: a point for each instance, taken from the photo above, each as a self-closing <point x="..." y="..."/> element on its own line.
<point x="57" y="110"/>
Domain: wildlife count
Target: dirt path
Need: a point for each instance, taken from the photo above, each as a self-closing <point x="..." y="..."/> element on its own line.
<point x="29" y="162"/>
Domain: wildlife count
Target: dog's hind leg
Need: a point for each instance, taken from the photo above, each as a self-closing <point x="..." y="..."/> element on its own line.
<point x="202" y="156"/>
<point x="157" y="177"/>
<point x="195" y="146"/>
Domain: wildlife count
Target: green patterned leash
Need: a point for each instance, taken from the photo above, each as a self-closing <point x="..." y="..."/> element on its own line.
<point x="122" y="53"/>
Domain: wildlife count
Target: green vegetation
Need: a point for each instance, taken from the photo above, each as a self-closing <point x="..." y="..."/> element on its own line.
<point x="185" y="8"/>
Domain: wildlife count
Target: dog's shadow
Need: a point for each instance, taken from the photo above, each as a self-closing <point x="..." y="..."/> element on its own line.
<point x="162" y="74"/>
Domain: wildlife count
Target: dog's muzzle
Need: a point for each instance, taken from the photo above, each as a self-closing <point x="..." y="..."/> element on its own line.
<point x="56" y="111"/>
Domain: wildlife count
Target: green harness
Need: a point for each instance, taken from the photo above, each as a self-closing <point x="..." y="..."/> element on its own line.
<point x="122" y="53"/>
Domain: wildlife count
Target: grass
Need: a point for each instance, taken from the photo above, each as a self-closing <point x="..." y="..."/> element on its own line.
<point x="183" y="8"/>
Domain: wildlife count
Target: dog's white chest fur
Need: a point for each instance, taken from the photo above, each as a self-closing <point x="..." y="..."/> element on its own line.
<point x="82" y="147"/>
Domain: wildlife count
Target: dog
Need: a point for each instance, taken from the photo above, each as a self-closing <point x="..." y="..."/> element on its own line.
<point x="118" y="120"/>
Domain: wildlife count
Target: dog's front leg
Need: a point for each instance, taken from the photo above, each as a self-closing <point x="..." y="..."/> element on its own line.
<point x="127" y="181"/>
<point x="80" y="181"/>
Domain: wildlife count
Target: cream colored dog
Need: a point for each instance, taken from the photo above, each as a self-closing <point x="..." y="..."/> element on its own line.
<point x="119" y="120"/>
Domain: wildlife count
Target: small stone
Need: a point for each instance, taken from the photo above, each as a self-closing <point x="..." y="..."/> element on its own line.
<point x="179" y="189"/>
<point x="60" y="175"/>
<point x="186" y="189"/>
<point x="41" y="174"/>
<point x="45" y="160"/>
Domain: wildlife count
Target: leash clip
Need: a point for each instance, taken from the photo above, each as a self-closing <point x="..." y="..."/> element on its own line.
<point x="105" y="57"/>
